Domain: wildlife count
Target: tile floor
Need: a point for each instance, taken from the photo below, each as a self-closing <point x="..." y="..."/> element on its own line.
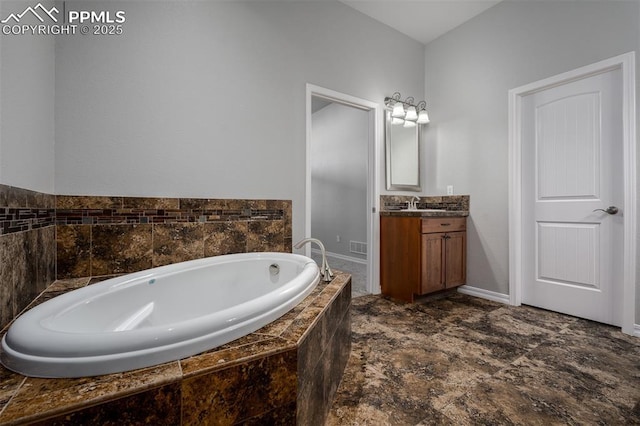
<point x="460" y="360"/>
<point x="357" y="270"/>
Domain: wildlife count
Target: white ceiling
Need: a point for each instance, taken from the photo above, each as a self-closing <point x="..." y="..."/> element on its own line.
<point x="422" y="20"/>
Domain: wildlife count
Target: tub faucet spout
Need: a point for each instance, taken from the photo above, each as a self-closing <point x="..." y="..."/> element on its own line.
<point x="325" y="270"/>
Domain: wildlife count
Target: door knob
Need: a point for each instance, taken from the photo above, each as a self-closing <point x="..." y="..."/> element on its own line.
<point x="609" y="210"/>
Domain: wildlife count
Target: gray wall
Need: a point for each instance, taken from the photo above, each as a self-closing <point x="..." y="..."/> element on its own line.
<point x="26" y="106"/>
<point x="468" y="74"/>
<point x="207" y="99"/>
<point x="339" y="152"/>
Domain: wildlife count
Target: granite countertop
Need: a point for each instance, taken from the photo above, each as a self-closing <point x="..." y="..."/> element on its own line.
<point x="425" y="213"/>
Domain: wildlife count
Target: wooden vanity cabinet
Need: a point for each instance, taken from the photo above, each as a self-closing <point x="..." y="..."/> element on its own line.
<point x="444" y="242"/>
<point x="421" y="255"/>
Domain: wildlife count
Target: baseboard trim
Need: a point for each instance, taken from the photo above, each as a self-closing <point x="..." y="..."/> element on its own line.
<point x="340" y="256"/>
<point x="636" y="330"/>
<point x="485" y="294"/>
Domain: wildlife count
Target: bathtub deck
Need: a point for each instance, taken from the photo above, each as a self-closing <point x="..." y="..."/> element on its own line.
<point x="271" y="375"/>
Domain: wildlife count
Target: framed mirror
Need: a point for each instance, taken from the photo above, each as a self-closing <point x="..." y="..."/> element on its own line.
<point x="402" y="151"/>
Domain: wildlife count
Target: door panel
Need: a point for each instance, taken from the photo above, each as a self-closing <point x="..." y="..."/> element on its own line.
<point x="455" y="259"/>
<point x="432" y="262"/>
<point x="568" y="145"/>
<point x="568" y="253"/>
<point x="572" y="160"/>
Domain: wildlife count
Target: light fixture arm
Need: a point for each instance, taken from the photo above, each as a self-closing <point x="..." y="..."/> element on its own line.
<point x="395" y="97"/>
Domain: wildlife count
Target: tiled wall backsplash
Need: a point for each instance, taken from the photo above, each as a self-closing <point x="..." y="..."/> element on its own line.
<point x="83" y="236"/>
<point x="447" y="202"/>
<point x="27" y="248"/>
<point x="114" y="235"/>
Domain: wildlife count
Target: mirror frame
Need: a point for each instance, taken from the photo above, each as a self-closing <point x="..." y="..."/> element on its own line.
<point x="389" y="161"/>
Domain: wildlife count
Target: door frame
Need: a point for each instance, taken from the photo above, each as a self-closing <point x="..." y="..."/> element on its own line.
<point x="626" y="63"/>
<point x="375" y="111"/>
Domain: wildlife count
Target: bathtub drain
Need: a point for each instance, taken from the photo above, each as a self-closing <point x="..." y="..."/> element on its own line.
<point x="274" y="269"/>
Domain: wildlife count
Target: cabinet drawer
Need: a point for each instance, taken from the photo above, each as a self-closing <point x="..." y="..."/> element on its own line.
<point x="443" y="224"/>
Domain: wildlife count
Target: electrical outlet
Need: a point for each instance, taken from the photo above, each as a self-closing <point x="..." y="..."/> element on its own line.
<point x="337" y="238"/>
<point x="449" y="189"/>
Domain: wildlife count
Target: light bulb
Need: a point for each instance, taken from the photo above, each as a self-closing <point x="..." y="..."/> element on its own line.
<point x="398" y="110"/>
<point x="411" y="114"/>
<point x="423" y="117"/>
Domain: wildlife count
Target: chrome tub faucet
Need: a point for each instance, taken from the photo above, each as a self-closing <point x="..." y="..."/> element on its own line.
<point x="325" y="271"/>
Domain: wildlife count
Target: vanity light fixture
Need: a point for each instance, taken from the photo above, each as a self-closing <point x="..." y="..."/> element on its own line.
<point x="398" y="111"/>
<point x="406" y="112"/>
<point x="398" y="108"/>
<point x="411" y="115"/>
<point x="423" y="117"/>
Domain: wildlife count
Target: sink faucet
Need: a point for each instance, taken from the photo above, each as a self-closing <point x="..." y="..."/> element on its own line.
<point x="325" y="271"/>
<point x="411" y="205"/>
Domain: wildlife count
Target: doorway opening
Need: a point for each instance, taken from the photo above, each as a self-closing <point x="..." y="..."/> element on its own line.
<point x="341" y="189"/>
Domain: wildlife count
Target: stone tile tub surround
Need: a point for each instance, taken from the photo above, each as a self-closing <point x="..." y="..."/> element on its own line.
<point x="43" y="236"/>
<point x="115" y="235"/>
<point x="446" y="202"/>
<point x="285" y="373"/>
<point x="27" y="248"/>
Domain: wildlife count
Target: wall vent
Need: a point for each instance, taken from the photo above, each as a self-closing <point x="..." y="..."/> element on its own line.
<point x="358" y="247"/>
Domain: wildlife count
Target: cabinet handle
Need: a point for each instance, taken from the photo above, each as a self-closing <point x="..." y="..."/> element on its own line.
<point x="445" y="224"/>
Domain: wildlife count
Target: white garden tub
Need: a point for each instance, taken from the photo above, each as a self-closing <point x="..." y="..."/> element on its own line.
<point x="158" y="315"/>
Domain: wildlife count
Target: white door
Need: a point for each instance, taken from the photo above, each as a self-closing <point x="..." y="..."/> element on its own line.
<point x="572" y="167"/>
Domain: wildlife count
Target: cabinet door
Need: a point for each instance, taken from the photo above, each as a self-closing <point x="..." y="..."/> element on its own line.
<point x="433" y="252"/>
<point x="455" y="264"/>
